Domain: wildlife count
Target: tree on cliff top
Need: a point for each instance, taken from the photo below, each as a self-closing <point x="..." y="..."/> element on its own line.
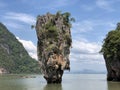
<point x="111" y="45"/>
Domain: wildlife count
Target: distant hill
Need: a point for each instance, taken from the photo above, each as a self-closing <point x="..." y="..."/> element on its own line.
<point x="87" y="71"/>
<point x="13" y="56"/>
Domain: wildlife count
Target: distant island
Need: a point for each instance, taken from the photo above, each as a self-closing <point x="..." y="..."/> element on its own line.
<point x="86" y="71"/>
<point x="13" y="56"/>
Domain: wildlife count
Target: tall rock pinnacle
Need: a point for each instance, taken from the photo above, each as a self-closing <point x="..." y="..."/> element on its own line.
<point x="53" y="46"/>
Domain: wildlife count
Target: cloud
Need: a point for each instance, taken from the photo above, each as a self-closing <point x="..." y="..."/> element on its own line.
<point x="84" y="51"/>
<point x="87" y="43"/>
<point x="14" y="25"/>
<point x="100" y="4"/>
<point x="82" y="27"/>
<point x="30" y="47"/>
<point x="21" y="17"/>
<point x="87" y="40"/>
<point x="85" y="55"/>
<point x="104" y="4"/>
<point x="85" y="47"/>
<point x="86" y="26"/>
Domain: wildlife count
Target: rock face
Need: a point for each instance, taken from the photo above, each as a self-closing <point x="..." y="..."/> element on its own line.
<point x="53" y="46"/>
<point x="111" y="53"/>
<point x="3" y="71"/>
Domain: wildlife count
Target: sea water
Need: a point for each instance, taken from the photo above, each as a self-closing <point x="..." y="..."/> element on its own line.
<point x="70" y="82"/>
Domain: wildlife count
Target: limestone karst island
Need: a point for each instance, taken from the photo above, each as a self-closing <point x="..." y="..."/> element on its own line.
<point x="111" y="53"/>
<point x="53" y="46"/>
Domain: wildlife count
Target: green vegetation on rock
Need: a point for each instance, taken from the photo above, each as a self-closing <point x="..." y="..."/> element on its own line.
<point x="13" y="56"/>
<point x="111" y="46"/>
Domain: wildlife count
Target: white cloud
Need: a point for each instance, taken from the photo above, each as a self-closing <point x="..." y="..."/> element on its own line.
<point x="85" y="51"/>
<point x="30" y="47"/>
<point x="90" y="25"/>
<point x="22" y="17"/>
<point x="83" y="26"/>
<point x="104" y="4"/>
<point x="85" y="47"/>
<point x="101" y="4"/>
<point x="14" y="25"/>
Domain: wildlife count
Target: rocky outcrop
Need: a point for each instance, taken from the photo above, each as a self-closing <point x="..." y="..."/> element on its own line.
<point x="111" y="53"/>
<point x="53" y="46"/>
<point x="3" y="71"/>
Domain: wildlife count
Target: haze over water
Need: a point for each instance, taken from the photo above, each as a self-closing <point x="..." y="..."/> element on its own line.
<point x="70" y="82"/>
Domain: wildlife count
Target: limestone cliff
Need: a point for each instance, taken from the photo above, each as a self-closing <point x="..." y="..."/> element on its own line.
<point x="111" y="53"/>
<point x="53" y="46"/>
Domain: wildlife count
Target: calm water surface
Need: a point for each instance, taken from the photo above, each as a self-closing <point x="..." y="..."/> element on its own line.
<point x="70" y="82"/>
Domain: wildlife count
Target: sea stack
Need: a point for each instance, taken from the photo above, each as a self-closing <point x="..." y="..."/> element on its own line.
<point x="111" y="53"/>
<point x="53" y="46"/>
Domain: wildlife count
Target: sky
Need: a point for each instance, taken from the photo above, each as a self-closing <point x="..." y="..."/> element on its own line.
<point x="94" y="19"/>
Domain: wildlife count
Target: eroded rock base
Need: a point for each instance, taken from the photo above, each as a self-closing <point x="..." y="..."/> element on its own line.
<point x="54" y="77"/>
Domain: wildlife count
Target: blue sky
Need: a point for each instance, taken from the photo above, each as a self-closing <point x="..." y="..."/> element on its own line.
<point x="94" y="18"/>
